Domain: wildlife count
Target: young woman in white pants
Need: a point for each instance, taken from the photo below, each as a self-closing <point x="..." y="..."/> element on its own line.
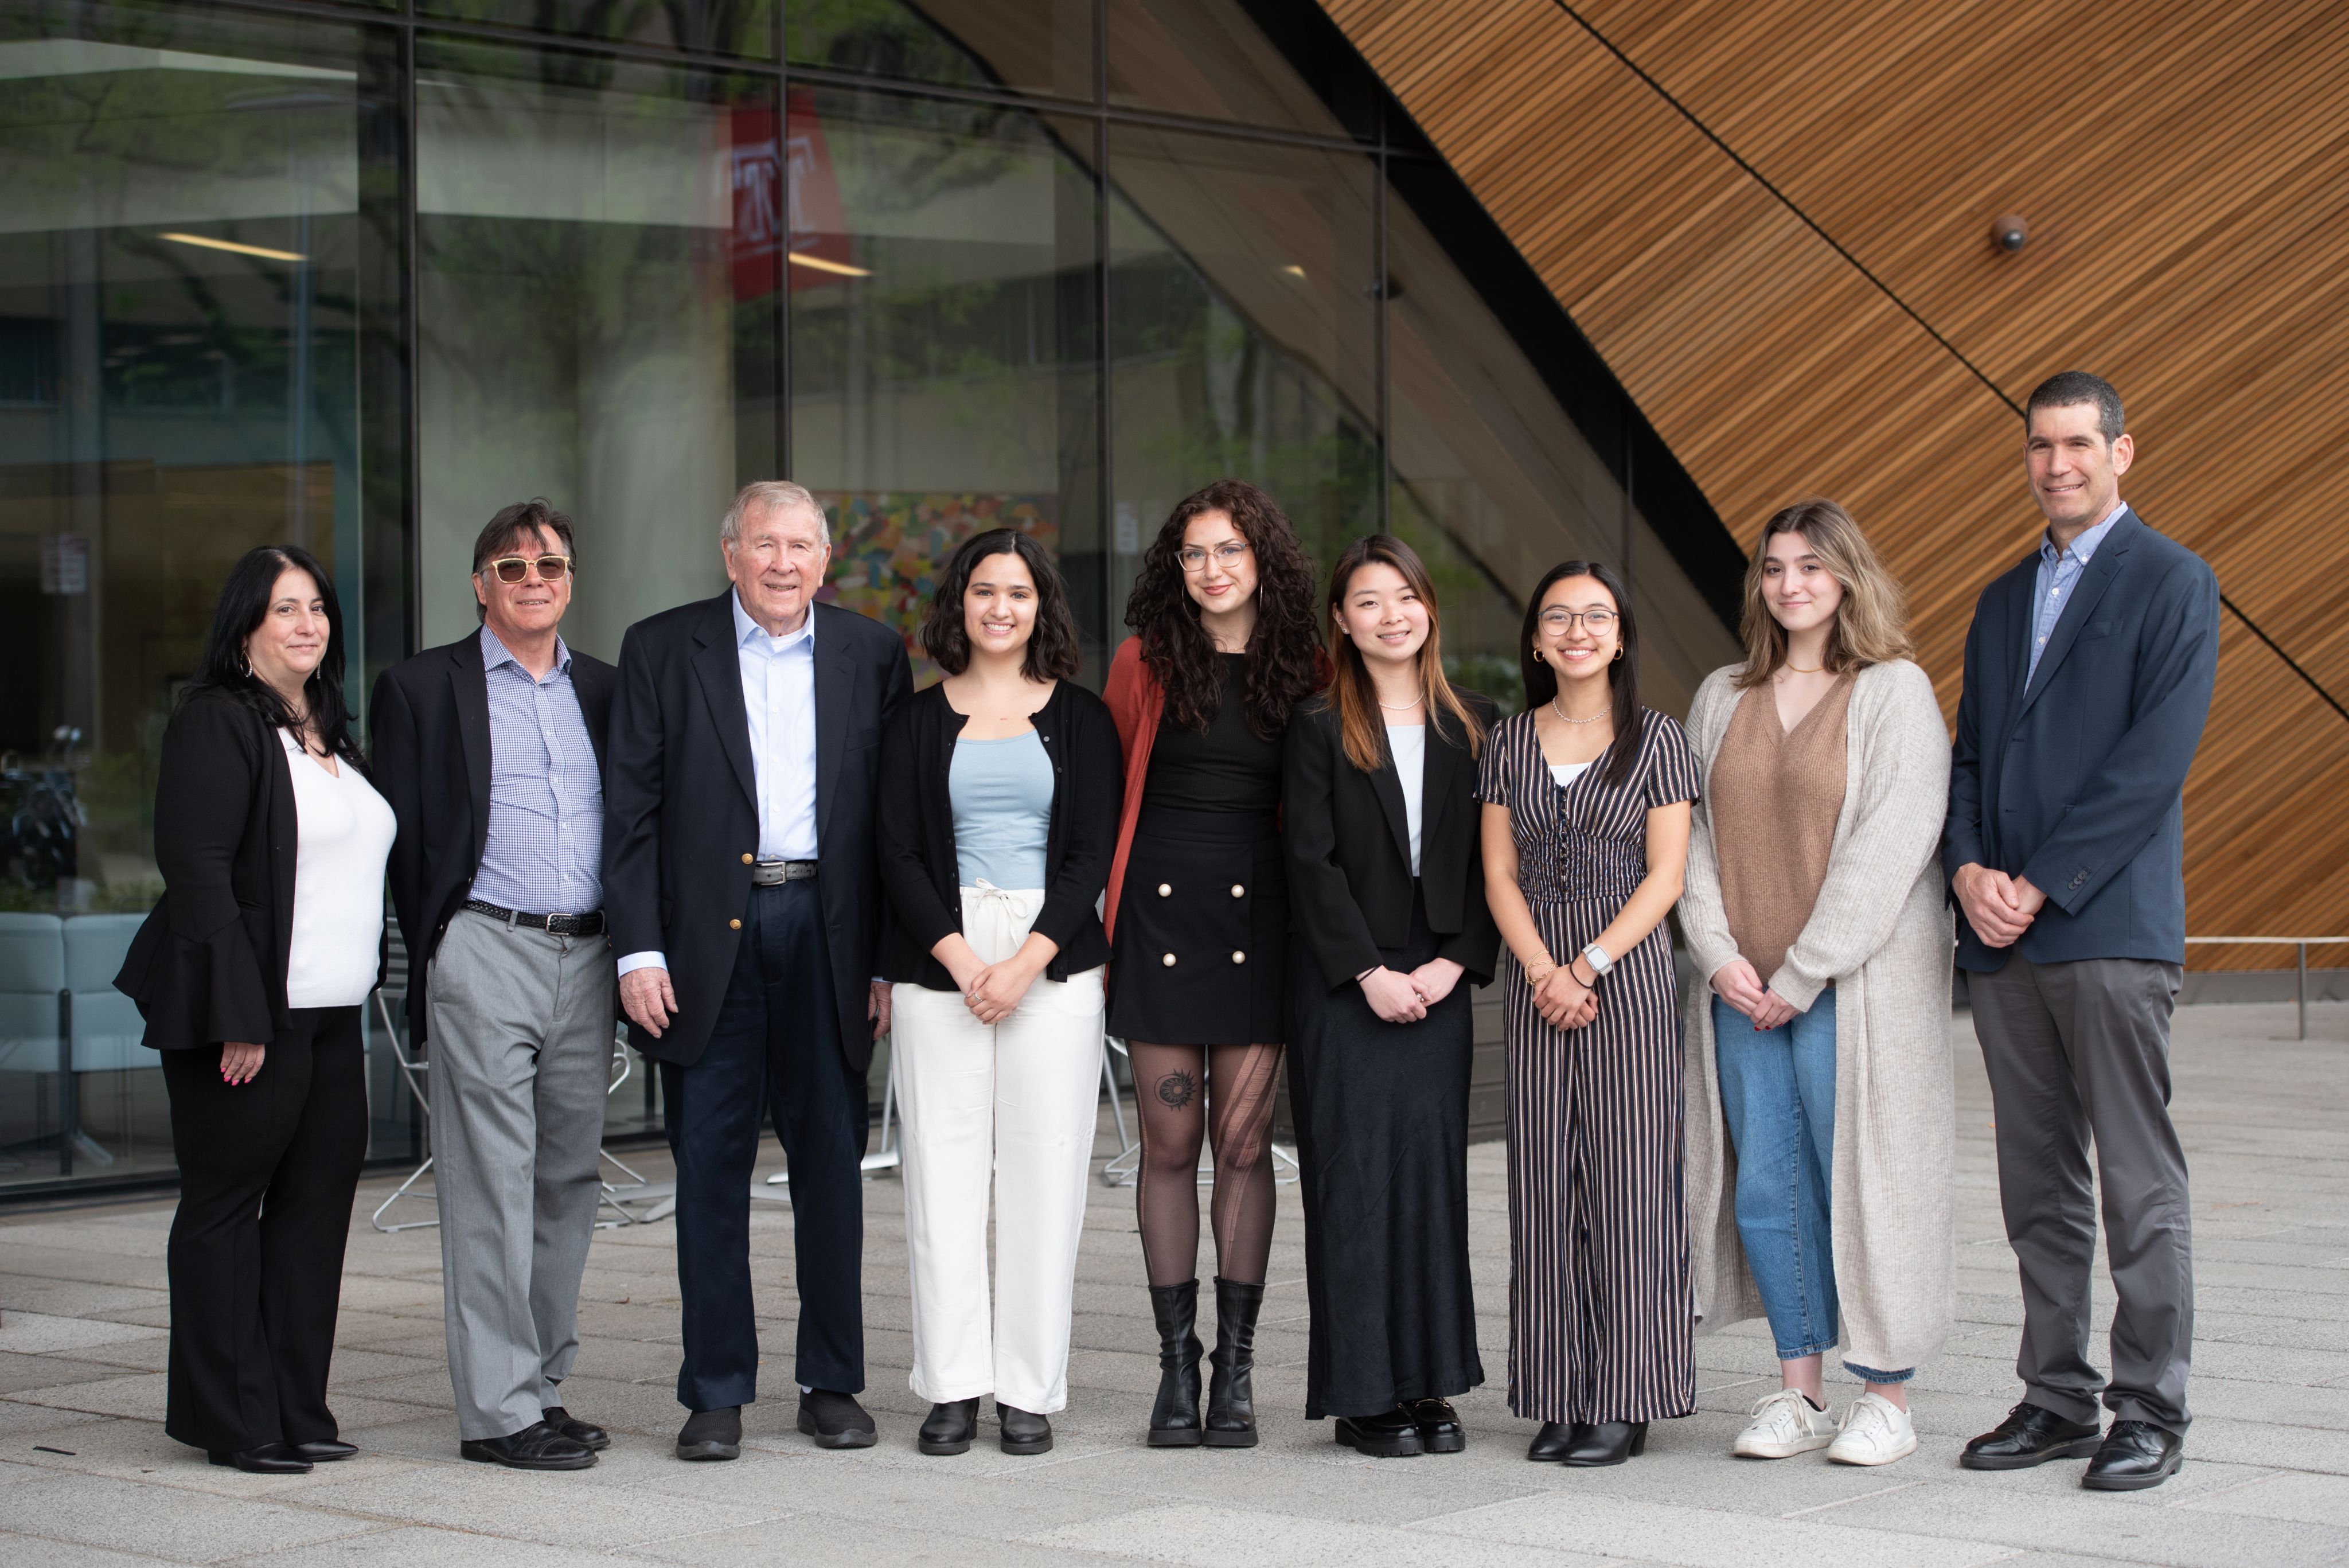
<point x="1000" y="792"/>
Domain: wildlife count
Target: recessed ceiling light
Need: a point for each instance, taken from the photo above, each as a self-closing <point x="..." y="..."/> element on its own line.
<point x="212" y="244"/>
<point x="1293" y="270"/>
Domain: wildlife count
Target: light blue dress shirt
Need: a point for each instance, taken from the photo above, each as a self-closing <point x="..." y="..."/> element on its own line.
<point x="778" y="704"/>
<point x="2059" y="574"/>
<point x="543" y="850"/>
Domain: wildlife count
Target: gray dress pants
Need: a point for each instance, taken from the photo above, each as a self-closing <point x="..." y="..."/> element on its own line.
<point x="519" y="1034"/>
<point x="2076" y="1051"/>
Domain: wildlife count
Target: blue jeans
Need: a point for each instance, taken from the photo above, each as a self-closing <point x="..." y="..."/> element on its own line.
<point x="1777" y="1089"/>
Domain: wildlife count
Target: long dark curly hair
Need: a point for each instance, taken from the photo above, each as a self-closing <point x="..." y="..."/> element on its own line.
<point x="1285" y="662"/>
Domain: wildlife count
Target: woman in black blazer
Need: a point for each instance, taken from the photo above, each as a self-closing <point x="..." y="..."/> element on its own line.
<point x="998" y="811"/>
<point x="250" y="973"/>
<point x="1387" y="886"/>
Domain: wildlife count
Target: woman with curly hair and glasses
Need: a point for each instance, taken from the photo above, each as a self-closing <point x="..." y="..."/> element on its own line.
<point x="1228" y="639"/>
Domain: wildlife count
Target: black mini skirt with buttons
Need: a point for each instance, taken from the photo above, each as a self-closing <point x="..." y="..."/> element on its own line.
<point x="1202" y="946"/>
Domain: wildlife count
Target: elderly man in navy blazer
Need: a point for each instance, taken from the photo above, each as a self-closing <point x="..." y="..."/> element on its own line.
<point x="2089" y="668"/>
<point x="744" y="890"/>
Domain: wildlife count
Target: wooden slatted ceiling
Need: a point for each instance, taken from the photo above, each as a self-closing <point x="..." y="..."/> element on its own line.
<point x="1772" y="217"/>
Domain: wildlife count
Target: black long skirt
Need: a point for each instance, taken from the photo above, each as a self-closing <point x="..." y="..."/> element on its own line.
<point x="1383" y="1138"/>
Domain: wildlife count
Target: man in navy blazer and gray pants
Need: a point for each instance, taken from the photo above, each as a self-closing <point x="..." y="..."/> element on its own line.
<point x="2089" y="668"/>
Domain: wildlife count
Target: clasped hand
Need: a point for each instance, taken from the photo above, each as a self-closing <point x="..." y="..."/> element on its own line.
<point x="1401" y="998"/>
<point x="1999" y="908"/>
<point x="1737" y="983"/>
<point x="1564" y="1002"/>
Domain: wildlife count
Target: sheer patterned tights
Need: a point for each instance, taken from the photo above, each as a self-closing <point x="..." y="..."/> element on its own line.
<point x="1231" y="1106"/>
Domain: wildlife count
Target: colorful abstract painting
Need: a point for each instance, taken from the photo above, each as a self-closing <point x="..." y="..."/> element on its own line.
<point x="890" y="545"/>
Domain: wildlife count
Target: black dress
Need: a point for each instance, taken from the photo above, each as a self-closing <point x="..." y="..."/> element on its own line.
<point x="1200" y="955"/>
<point x="1381" y="1108"/>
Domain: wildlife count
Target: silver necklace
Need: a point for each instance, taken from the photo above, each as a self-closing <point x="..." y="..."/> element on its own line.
<point x="1566" y="719"/>
<point x="1399" y="707"/>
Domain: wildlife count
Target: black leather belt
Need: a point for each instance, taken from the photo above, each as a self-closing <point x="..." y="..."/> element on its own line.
<point x="775" y="873"/>
<point x="588" y="925"/>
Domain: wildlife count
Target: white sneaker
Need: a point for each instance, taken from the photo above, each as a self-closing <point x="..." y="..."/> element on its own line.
<point x="1875" y="1431"/>
<point x="1786" y="1423"/>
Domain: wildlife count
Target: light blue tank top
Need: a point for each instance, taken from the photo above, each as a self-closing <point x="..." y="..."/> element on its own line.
<point x="1002" y="796"/>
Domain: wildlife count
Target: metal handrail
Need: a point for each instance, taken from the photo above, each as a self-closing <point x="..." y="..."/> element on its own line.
<point x="2302" y="943"/>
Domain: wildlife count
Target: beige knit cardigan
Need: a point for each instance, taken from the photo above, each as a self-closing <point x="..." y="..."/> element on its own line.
<point x="1882" y="931"/>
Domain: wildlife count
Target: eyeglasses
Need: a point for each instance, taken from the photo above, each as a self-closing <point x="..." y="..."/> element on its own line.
<point x="515" y="568"/>
<point x="1228" y="554"/>
<point x="1596" y="622"/>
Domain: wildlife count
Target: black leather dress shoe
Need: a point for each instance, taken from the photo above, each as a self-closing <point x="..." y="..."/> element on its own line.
<point x="1606" y="1443"/>
<point x="537" y="1447"/>
<point x="578" y="1431"/>
<point x="1554" y="1440"/>
<point x="268" y="1460"/>
<point x="950" y="1428"/>
<point x="2031" y="1434"/>
<point x="2134" y="1455"/>
<point x="711" y="1435"/>
<point x="1022" y="1431"/>
<point x="1439" y="1427"/>
<point x="1389" y="1435"/>
<point x="324" y="1450"/>
<point x="836" y="1420"/>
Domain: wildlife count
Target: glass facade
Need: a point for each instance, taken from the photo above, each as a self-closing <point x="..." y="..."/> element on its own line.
<point x="357" y="275"/>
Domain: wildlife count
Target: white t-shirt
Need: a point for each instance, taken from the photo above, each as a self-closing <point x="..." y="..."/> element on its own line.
<point x="1567" y="772"/>
<point x="1408" y="744"/>
<point x="344" y="832"/>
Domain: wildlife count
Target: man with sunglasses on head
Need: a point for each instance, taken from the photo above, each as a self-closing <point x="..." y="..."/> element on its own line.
<point x="491" y="751"/>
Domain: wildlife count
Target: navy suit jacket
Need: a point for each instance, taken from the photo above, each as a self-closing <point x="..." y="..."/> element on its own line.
<point x="681" y="818"/>
<point x="2076" y="778"/>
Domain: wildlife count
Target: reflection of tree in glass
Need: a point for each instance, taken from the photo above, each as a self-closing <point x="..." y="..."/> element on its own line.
<point x="879" y="38"/>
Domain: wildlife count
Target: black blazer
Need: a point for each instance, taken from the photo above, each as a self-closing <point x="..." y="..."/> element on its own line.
<point x="431" y="734"/>
<point x="2077" y="780"/>
<point x="209" y="964"/>
<point x="918" y="868"/>
<point x="681" y="817"/>
<point x="1349" y="840"/>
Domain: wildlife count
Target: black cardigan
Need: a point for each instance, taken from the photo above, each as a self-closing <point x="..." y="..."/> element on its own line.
<point x="209" y="964"/>
<point x="918" y="868"/>
<point x="1349" y="840"/>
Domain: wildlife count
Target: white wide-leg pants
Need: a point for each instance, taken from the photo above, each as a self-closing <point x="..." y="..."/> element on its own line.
<point x="1018" y="1099"/>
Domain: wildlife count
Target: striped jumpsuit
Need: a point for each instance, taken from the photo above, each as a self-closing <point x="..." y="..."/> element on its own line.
<point x="1600" y="1313"/>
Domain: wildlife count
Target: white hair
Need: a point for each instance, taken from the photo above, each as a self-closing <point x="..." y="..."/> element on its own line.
<point x="765" y="496"/>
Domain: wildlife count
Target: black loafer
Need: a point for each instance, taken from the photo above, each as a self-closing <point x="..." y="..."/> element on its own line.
<point x="836" y="1420"/>
<point x="324" y="1450"/>
<point x="711" y="1435"/>
<point x="2029" y="1436"/>
<point x="268" y="1460"/>
<point x="950" y="1428"/>
<point x="2134" y="1455"/>
<point x="578" y="1431"/>
<point x="1555" y="1441"/>
<point x="1022" y="1431"/>
<point x="537" y="1447"/>
<point x="1389" y="1435"/>
<point x="1439" y="1427"/>
<point x="1606" y="1443"/>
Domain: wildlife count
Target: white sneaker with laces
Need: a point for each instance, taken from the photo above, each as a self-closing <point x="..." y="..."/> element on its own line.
<point x="1875" y="1431"/>
<point x="1786" y="1423"/>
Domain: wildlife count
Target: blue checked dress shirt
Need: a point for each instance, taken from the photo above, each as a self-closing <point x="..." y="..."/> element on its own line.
<point x="2059" y="574"/>
<point x="544" y="851"/>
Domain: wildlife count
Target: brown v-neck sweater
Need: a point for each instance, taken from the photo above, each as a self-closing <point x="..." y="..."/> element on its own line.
<point x="1776" y="796"/>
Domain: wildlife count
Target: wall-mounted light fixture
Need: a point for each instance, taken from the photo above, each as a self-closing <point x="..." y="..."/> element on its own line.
<point x="2011" y="232"/>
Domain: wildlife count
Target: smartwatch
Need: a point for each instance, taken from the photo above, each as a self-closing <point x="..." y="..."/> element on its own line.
<point x="1599" y="962"/>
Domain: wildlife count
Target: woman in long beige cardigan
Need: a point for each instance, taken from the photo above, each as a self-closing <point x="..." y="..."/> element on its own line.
<point x="1819" y="1011"/>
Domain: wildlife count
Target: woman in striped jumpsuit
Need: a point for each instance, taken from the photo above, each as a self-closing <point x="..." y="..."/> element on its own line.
<point x="1586" y="835"/>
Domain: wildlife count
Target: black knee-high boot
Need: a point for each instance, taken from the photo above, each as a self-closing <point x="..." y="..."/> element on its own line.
<point x="1231" y="1398"/>
<point x="1175" y="1418"/>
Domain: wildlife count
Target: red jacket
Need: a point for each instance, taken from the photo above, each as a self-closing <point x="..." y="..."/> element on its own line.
<point x="1136" y="702"/>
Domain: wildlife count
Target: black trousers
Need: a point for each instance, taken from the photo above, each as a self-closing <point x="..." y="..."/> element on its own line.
<point x="775" y="1050"/>
<point x="267" y="1170"/>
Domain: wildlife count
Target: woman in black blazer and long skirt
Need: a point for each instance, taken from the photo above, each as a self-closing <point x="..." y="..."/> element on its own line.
<point x="252" y="974"/>
<point x="1387" y="890"/>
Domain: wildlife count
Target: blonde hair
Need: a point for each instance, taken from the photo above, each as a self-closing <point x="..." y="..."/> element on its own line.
<point x="1871" y="625"/>
<point x="1351" y="691"/>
